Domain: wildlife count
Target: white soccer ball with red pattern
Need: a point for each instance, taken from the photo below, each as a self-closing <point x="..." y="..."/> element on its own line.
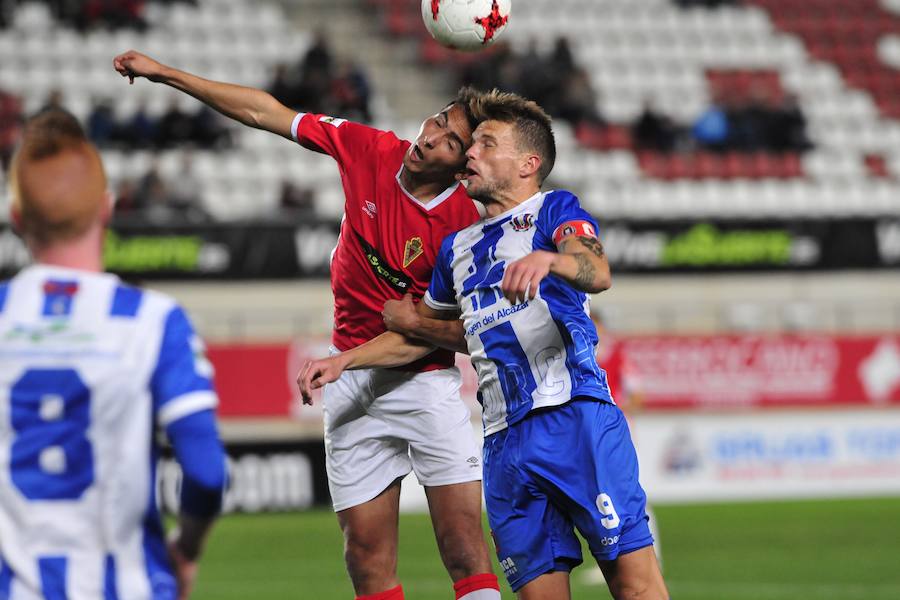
<point x="468" y="25"/>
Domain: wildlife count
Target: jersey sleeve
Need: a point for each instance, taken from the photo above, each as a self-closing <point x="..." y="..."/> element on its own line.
<point x="441" y="294"/>
<point x="339" y="138"/>
<point x="563" y="218"/>
<point x="182" y="381"/>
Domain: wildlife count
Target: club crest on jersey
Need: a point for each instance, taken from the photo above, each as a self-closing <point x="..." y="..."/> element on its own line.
<point x="522" y="222"/>
<point x="370" y="209"/>
<point x="413" y="250"/>
<point x="333" y="121"/>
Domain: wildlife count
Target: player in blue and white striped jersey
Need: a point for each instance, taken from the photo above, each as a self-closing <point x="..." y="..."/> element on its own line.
<point x="90" y="369"/>
<point x="558" y="455"/>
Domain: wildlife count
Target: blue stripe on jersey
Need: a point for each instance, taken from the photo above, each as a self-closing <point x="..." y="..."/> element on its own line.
<point x="109" y="579"/>
<point x="126" y="301"/>
<point x="6" y="577"/>
<point x="156" y="559"/>
<point x="176" y="369"/>
<point x="486" y="270"/>
<point x="53" y="577"/>
<point x="4" y="290"/>
<point x="513" y="368"/>
<point x="58" y="296"/>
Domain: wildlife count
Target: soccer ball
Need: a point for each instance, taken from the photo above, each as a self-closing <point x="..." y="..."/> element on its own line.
<point x="468" y="25"/>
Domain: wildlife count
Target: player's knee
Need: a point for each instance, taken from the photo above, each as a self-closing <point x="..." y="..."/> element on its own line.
<point x="368" y="558"/>
<point x="637" y="587"/>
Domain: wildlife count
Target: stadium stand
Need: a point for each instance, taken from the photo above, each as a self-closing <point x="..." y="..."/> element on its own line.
<point x="833" y="58"/>
<point x="657" y="52"/>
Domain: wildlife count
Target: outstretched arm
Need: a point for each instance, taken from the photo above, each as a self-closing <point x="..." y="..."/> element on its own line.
<point x="250" y="106"/>
<point x="420" y="321"/>
<point x="389" y="349"/>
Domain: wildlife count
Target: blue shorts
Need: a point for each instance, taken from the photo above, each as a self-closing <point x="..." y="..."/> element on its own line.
<point x="559" y="469"/>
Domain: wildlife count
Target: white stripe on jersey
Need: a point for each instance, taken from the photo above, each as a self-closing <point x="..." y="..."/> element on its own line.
<point x="185" y="405"/>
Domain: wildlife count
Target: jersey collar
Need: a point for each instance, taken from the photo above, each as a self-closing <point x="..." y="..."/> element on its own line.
<point x="432" y="203"/>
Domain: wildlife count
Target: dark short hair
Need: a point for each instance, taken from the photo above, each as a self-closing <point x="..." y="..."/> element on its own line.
<point x="466" y="98"/>
<point x="533" y="125"/>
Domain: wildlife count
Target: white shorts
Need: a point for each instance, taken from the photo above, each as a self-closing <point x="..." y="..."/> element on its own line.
<point x="380" y="424"/>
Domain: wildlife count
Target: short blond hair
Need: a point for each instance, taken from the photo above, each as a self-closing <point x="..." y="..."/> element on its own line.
<point x="57" y="179"/>
<point x="533" y="125"/>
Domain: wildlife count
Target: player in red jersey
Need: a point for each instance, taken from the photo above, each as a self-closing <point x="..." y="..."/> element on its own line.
<point x="402" y="199"/>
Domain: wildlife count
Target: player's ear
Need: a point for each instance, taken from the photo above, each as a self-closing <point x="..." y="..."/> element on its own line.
<point x="530" y="165"/>
<point x="15" y="217"/>
<point x="106" y="210"/>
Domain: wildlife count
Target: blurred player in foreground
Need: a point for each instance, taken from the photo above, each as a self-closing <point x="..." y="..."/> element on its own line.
<point x="402" y="199"/>
<point x="557" y="452"/>
<point x="89" y="369"/>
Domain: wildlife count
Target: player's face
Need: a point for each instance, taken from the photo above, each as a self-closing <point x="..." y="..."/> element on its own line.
<point x="440" y="147"/>
<point x="493" y="162"/>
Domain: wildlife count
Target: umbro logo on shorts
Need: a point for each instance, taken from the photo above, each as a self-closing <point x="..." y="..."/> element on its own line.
<point x="472" y="460"/>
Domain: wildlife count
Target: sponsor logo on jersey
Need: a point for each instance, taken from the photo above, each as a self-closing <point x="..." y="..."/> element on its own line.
<point x="610" y="541"/>
<point x="382" y="269"/>
<point x="54" y="332"/>
<point x="522" y="222"/>
<point x="412" y="250"/>
<point x="333" y="121"/>
<point x="370" y="209"/>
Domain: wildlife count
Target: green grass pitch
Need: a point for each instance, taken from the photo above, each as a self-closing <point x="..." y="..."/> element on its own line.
<point x="812" y="550"/>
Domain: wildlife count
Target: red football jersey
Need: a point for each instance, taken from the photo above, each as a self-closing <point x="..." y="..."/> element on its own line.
<point x="389" y="240"/>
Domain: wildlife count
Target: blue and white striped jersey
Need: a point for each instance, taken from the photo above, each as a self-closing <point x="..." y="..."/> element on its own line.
<point x="89" y="369"/>
<point x="531" y="355"/>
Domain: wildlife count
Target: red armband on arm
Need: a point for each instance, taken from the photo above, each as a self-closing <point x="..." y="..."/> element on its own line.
<point x="570" y="228"/>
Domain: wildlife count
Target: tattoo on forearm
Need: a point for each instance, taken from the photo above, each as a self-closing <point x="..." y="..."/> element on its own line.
<point x="592" y="244"/>
<point x="584" y="277"/>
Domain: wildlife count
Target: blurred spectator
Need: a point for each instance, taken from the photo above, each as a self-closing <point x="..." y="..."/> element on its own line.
<point x="296" y="201"/>
<point x="317" y="86"/>
<point x="787" y="127"/>
<point x="713" y="129"/>
<point x="126" y="202"/>
<point x="175" y="127"/>
<point x="555" y="81"/>
<point x="101" y="124"/>
<point x="350" y="92"/>
<point x="207" y="128"/>
<point x="151" y="195"/>
<point x="285" y="86"/>
<point x="141" y="130"/>
<point x="654" y="131"/>
<point x="578" y="101"/>
<point x="185" y="195"/>
<point x="10" y="126"/>
<point x="55" y="99"/>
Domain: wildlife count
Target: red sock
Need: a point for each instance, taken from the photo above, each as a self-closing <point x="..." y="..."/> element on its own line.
<point x="395" y="593"/>
<point x="485" y="583"/>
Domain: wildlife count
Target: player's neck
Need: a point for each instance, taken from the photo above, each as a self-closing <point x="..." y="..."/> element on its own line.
<point x="421" y="189"/>
<point x="506" y="201"/>
<point x="84" y="253"/>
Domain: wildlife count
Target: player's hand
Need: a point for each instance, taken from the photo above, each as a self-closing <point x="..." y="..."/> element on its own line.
<point x="133" y="64"/>
<point x="185" y="568"/>
<point x="523" y="277"/>
<point x="401" y="315"/>
<point x="315" y="374"/>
